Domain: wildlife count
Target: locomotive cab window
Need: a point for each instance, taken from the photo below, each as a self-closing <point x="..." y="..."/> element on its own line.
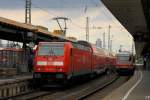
<point x="51" y="50"/>
<point x="123" y="58"/>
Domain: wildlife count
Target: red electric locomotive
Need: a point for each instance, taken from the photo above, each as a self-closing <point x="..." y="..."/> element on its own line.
<point x="61" y="61"/>
<point x="125" y="63"/>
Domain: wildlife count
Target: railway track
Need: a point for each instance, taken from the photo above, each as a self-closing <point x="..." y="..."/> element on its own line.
<point x="89" y="93"/>
<point x="84" y="90"/>
<point x="81" y="92"/>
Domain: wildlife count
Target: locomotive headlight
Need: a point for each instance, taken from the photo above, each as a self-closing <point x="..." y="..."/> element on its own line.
<point x="58" y="63"/>
<point x="42" y="63"/>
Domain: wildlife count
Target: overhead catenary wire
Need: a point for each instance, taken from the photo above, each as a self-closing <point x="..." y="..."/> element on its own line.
<point x="85" y="7"/>
<point x="73" y="23"/>
<point x="83" y="28"/>
<point x="77" y="25"/>
<point x="42" y="9"/>
<point x="107" y="16"/>
<point x="54" y="15"/>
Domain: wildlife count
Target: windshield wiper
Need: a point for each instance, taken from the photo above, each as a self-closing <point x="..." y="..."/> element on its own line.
<point x="51" y="51"/>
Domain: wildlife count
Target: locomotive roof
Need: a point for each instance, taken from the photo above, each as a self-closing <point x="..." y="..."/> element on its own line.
<point x="84" y="43"/>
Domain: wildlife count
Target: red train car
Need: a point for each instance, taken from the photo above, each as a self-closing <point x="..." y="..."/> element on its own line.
<point x="125" y="63"/>
<point x="61" y="61"/>
<point x="113" y="59"/>
<point x="99" y="60"/>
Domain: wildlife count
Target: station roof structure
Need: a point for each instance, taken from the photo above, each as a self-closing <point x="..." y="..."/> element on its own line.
<point x="134" y="15"/>
<point x="15" y="31"/>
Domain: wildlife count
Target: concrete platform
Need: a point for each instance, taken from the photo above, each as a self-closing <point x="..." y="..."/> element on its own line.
<point x="137" y="88"/>
<point x="15" y="85"/>
<point x="15" y="78"/>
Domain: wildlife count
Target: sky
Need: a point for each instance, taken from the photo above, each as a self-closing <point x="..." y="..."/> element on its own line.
<point x="43" y="12"/>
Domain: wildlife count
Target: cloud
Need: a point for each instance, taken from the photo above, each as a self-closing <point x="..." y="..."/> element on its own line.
<point x="38" y="16"/>
<point x="17" y="15"/>
<point x="76" y="26"/>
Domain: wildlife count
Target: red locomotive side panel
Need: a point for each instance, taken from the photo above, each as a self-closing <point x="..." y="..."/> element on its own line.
<point x="81" y="62"/>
